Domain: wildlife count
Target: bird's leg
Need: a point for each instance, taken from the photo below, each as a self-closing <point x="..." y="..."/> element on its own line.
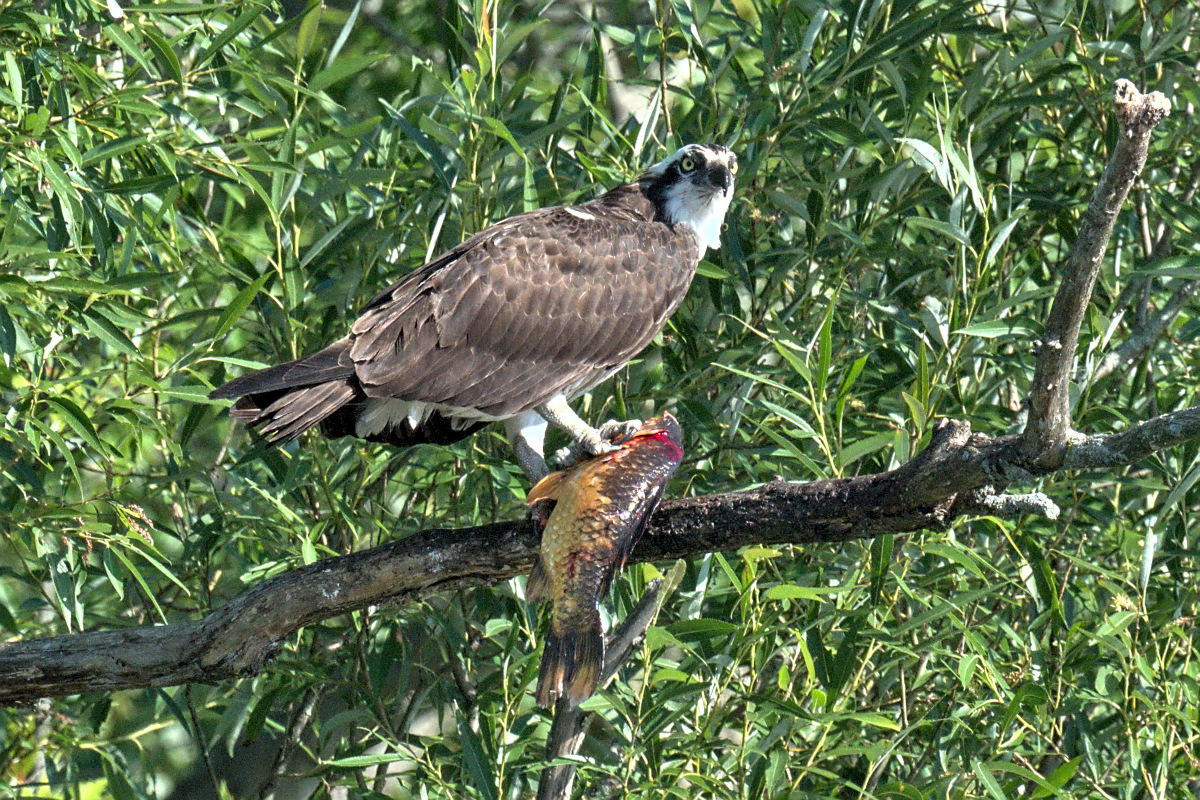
<point x="527" y="437"/>
<point x="588" y="439"/>
<point x="614" y="431"/>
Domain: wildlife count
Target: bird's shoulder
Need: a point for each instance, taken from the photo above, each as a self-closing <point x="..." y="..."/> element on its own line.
<point x="539" y="304"/>
<point x="612" y="233"/>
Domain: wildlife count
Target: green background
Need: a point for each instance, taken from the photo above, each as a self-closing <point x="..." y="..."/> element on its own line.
<point x="191" y="190"/>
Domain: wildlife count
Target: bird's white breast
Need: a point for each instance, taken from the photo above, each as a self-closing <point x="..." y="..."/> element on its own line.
<point x="702" y="211"/>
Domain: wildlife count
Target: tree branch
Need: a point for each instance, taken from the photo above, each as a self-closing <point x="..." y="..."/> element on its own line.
<point x="1147" y="332"/>
<point x="1045" y="437"/>
<point x="953" y="476"/>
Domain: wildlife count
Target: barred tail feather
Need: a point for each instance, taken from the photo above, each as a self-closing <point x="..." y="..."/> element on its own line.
<point x="571" y="664"/>
<point x="295" y="412"/>
<point x="331" y="364"/>
<point x="285" y="400"/>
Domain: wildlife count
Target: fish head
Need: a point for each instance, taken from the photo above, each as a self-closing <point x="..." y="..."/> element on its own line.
<point x="664" y="428"/>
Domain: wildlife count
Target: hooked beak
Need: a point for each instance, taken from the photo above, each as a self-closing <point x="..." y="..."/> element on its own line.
<point x="720" y="177"/>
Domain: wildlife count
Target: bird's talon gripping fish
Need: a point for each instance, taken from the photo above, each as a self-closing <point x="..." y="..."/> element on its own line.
<point x="603" y="505"/>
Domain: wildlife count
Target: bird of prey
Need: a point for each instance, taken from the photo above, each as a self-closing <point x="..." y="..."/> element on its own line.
<point x="511" y="324"/>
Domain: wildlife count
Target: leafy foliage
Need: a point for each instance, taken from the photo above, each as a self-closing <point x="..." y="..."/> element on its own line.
<point x="190" y="190"/>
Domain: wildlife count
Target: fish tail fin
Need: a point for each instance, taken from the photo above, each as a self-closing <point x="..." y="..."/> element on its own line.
<point x="571" y="664"/>
<point x="589" y="662"/>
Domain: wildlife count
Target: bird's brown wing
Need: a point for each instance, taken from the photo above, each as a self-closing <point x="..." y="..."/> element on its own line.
<point x="538" y="305"/>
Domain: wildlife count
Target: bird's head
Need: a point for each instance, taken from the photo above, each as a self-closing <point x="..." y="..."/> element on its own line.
<point x="693" y="187"/>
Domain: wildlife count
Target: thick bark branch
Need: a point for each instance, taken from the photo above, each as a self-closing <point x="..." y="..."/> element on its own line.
<point x="1045" y="436"/>
<point x="953" y="476"/>
<point x="1131" y="446"/>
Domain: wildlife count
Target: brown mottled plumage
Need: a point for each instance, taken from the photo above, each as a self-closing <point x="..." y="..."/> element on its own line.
<point x="537" y="308"/>
<point x="602" y="506"/>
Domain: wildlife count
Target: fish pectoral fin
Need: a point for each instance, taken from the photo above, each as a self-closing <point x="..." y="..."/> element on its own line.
<point x="537" y="585"/>
<point x="571" y="664"/>
<point x="547" y="488"/>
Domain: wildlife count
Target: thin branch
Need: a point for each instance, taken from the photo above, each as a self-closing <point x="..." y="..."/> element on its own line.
<point x="1147" y="332"/>
<point x="1045" y="436"/>
<point x="295" y="730"/>
<point x="198" y="736"/>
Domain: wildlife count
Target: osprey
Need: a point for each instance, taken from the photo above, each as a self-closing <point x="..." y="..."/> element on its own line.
<point x="509" y="325"/>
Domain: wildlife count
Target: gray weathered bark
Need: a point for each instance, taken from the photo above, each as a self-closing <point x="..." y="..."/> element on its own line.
<point x="1045" y="437"/>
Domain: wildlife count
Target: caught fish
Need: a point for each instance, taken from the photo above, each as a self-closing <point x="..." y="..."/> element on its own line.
<point x="603" y="505"/>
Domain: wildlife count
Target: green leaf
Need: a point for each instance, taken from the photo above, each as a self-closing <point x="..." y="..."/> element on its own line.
<point x="358" y="762"/>
<point x="8" y="336"/>
<point x="234" y="310"/>
<point x="863" y="448"/>
<point x="693" y="629"/>
<point x="112" y="150"/>
<point x="478" y="764"/>
<point x="342" y="69"/>
<point x="117" y="33"/>
<point x="942" y="228"/>
<point x="164" y="54"/>
<point x="78" y="421"/>
<point x="881" y="560"/>
<point x="996" y="328"/>
<point x="67" y="195"/>
<point x="987" y="780"/>
<point x="1183" y="486"/>
<point x="244" y="20"/>
<point x="110" y="333"/>
<point x="306" y="35"/>
<point x="1001" y="237"/>
<point x="137" y="576"/>
<point x="793" y="592"/>
<point x="955" y="554"/>
<point x="707" y="270"/>
<point x="16" y="84"/>
<point x="1058" y="778"/>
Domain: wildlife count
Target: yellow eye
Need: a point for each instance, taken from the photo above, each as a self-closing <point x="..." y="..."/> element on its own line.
<point x="733" y="167"/>
<point x="687" y="163"/>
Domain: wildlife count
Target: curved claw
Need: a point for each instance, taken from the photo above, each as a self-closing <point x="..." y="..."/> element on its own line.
<point x="567" y="457"/>
<point x="617" y="431"/>
<point x="606" y="440"/>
